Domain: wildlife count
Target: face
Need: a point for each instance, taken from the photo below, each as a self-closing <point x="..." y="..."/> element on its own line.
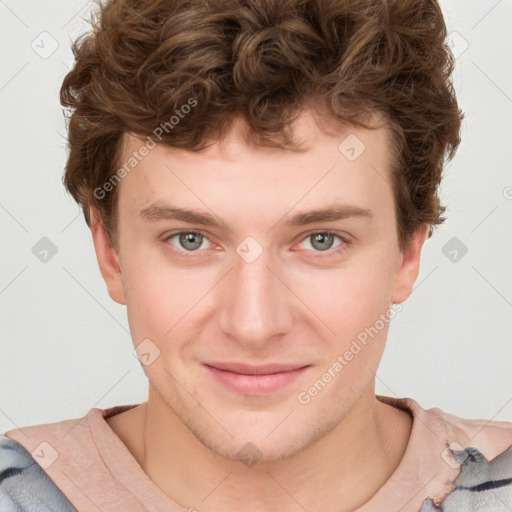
<point x="243" y="255"/>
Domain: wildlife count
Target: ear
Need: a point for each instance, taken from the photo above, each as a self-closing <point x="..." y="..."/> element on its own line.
<point x="408" y="265"/>
<point x="108" y="259"/>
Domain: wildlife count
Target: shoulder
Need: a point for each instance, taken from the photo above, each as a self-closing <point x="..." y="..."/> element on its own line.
<point x="434" y="424"/>
<point x="70" y="460"/>
<point x="24" y="486"/>
<point x="463" y="464"/>
<point x="481" y="484"/>
<point x="481" y="450"/>
<point x="492" y="439"/>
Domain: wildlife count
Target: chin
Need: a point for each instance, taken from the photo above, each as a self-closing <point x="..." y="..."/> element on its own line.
<point x="256" y="451"/>
<point x="272" y="439"/>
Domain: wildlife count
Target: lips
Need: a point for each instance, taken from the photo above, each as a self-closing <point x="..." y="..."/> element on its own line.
<point x="246" y="369"/>
<point x="253" y="380"/>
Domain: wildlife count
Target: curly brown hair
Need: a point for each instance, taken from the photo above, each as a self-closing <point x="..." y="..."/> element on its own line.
<point x="267" y="61"/>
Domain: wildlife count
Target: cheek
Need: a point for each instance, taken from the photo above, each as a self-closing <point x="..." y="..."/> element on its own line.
<point x="162" y="300"/>
<point x="355" y="305"/>
<point x="347" y="299"/>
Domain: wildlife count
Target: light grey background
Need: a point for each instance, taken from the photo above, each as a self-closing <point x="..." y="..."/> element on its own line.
<point x="65" y="345"/>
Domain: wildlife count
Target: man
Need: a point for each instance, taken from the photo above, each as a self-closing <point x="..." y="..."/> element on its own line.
<point x="259" y="178"/>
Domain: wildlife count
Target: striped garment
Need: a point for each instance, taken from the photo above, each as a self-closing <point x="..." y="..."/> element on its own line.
<point x="24" y="486"/>
<point x="481" y="486"/>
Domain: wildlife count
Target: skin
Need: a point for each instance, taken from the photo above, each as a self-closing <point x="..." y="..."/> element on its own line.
<point x="296" y="303"/>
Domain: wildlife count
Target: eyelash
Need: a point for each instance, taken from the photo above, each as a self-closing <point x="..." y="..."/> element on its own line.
<point x="328" y="253"/>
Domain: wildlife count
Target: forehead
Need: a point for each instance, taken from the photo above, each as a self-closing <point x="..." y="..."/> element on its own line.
<point x="348" y="165"/>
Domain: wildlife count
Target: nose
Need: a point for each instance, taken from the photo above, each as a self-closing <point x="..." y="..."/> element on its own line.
<point x="256" y="303"/>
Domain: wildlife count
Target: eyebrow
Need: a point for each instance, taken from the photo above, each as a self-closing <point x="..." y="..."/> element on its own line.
<point x="157" y="211"/>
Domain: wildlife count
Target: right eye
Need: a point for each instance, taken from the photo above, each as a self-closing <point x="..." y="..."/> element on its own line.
<point x="186" y="241"/>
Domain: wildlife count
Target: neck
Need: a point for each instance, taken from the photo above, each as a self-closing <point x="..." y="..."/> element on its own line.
<point x="349" y="464"/>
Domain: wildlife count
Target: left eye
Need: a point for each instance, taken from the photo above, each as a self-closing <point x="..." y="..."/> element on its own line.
<point x="323" y="241"/>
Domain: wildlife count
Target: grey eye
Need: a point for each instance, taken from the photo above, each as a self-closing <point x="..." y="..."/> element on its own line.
<point x="322" y="241"/>
<point x="190" y="240"/>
